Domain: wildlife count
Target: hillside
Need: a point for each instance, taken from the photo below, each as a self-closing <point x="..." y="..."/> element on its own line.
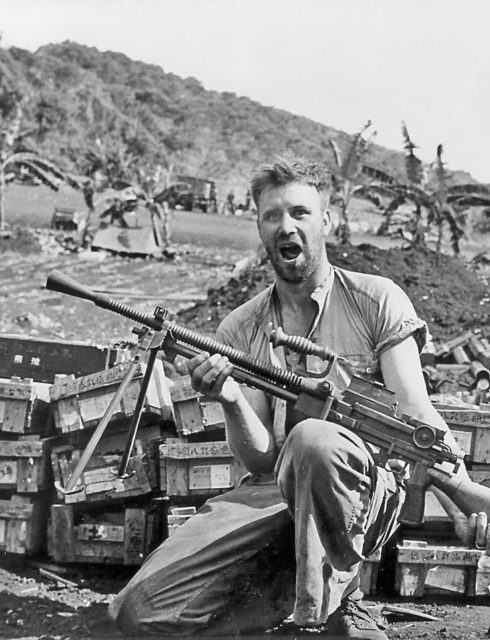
<point x="78" y="94"/>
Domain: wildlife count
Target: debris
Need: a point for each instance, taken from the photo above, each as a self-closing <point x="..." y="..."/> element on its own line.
<point x="57" y="578"/>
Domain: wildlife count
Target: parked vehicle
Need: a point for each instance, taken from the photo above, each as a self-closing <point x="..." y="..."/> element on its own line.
<point x="191" y="193"/>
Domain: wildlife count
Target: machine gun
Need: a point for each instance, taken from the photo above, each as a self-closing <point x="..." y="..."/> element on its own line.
<point x="366" y="408"/>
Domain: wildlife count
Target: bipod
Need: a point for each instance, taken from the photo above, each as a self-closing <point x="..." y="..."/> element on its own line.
<point x="154" y="346"/>
<point x="148" y="340"/>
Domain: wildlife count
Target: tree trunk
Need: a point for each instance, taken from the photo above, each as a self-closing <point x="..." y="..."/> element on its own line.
<point x="343" y="230"/>
<point x="2" y="197"/>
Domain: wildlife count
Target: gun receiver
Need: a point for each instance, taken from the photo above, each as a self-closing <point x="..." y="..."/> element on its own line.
<point x="367" y="408"/>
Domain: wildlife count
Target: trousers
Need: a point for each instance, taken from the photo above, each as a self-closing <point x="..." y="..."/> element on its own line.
<point x="343" y="507"/>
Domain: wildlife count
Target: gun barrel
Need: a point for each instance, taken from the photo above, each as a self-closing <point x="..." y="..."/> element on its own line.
<point x="58" y="281"/>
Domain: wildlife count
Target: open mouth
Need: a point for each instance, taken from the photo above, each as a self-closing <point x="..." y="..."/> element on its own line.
<point x="290" y="251"/>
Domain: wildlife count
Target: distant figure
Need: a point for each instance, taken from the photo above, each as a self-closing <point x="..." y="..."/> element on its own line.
<point x="248" y="200"/>
<point x="230" y="201"/>
<point x="213" y="202"/>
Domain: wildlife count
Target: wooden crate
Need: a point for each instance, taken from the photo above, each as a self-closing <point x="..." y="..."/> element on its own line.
<point x="100" y="476"/>
<point x="480" y="473"/>
<point x="471" y="430"/>
<point x="193" y="412"/>
<point x="435" y="569"/>
<point x="197" y="468"/>
<point x="22" y="525"/>
<point x="369" y="573"/>
<point x="24" y="465"/>
<point x="24" y="406"/>
<point x="100" y="479"/>
<point x="178" y="516"/>
<point x="116" y="537"/>
<point x="80" y="403"/>
<point x="42" y="358"/>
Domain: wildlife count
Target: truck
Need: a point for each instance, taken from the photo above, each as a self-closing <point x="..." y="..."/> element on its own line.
<point x="191" y="193"/>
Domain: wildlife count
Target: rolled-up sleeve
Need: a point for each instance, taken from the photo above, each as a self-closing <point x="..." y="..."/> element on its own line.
<point x="397" y="320"/>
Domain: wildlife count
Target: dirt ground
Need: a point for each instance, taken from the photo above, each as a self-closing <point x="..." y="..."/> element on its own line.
<point x="196" y="285"/>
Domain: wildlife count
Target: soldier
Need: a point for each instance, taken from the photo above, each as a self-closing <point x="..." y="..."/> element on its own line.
<point x="315" y="474"/>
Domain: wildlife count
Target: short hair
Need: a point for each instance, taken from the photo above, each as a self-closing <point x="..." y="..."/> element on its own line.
<point x="290" y="169"/>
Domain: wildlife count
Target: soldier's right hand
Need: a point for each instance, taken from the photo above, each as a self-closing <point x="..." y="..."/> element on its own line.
<point x="210" y="375"/>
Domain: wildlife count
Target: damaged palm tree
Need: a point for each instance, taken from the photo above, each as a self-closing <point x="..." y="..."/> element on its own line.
<point x="435" y="204"/>
<point x="19" y="164"/>
<point x="346" y="178"/>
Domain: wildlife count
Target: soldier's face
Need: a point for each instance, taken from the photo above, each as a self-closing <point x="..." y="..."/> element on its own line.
<point x="292" y="225"/>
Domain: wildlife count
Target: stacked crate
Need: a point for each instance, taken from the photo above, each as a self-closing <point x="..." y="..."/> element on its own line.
<point x="24" y="465"/>
<point x="108" y="517"/>
<point x="198" y="464"/>
<point x="430" y="559"/>
<point x="425" y="569"/>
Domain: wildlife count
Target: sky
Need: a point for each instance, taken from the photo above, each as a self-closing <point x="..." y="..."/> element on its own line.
<point x="339" y="62"/>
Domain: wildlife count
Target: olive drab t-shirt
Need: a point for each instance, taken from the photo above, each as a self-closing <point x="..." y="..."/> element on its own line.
<point x="358" y="317"/>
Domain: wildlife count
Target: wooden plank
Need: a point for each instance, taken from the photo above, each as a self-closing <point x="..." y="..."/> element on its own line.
<point x="16" y="537"/>
<point x="92" y="406"/>
<point x="9" y="509"/>
<point x="417" y="580"/>
<point x="8" y="473"/>
<point x="447" y="578"/>
<point x="188" y="417"/>
<point x="42" y="358"/>
<point x="67" y="416"/>
<point x="62" y="533"/>
<point x="210" y="476"/>
<point x="465" y="438"/>
<point x="100" y="531"/>
<point x="206" y="476"/>
<point x="212" y="414"/>
<point x="21" y="448"/>
<point x="99" y="552"/>
<point x="440" y="555"/>
<point x="174" y="448"/>
<point x="130" y="398"/>
<point x="15" y="417"/>
<point x="158" y="395"/>
<point x="183" y="390"/>
<point x="16" y="389"/>
<point x="68" y="387"/>
<point x="134" y="536"/>
<point x="482" y="578"/>
<point x="29" y="475"/>
<point x="82" y="403"/>
<point x="466" y="417"/>
<point x="177" y="477"/>
<point x="481" y="449"/>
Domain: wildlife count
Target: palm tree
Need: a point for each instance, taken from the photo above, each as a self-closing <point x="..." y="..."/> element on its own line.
<point x="346" y="177"/>
<point x="435" y="204"/>
<point x="17" y="163"/>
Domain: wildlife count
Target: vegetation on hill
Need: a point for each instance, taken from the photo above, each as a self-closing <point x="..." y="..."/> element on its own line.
<point x="78" y="97"/>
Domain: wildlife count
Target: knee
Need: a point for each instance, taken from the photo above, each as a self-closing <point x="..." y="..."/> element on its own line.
<point x="316" y="439"/>
<point x="314" y="443"/>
